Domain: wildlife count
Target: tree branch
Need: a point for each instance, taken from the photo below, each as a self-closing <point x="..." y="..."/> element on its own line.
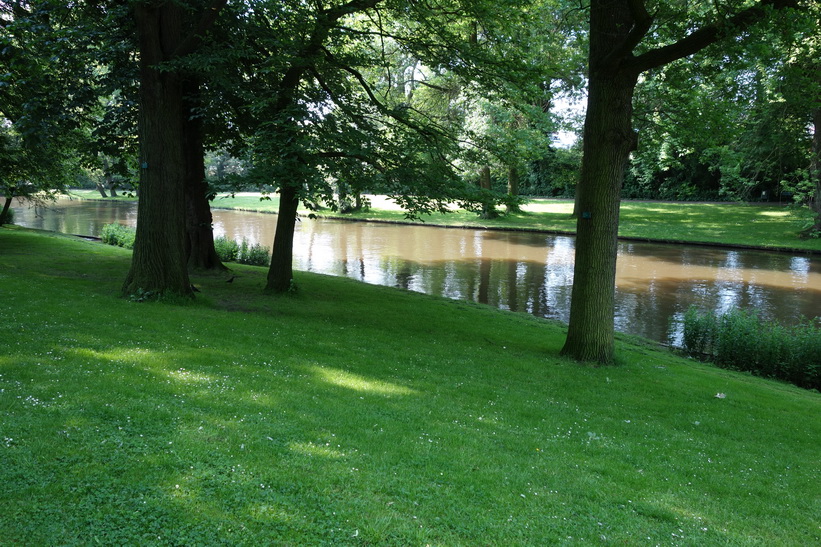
<point x="642" y="22"/>
<point x="705" y="36"/>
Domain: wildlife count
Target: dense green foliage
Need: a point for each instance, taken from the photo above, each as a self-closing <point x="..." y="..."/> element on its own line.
<point x="253" y="254"/>
<point x="753" y="101"/>
<point x="119" y="235"/>
<point x="740" y="340"/>
<point x="409" y="420"/>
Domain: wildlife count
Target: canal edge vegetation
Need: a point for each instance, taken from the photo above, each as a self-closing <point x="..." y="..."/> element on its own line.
<point x="741" y="340"/>
<point x="305" y="419"/>
<point x="228" y="250"/>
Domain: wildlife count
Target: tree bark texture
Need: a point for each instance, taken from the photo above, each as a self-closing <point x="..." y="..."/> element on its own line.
<point x="281" y="272"/>
<point x="199" y="241"/>
<point x="608" y="140"/>
<point x="158" y="265"/>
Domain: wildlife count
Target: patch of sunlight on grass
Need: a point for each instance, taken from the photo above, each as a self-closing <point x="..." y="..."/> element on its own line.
<point x="356" y="382"/>
<point x="262" y="399"/>
<point x="188" y="377"/>
<point x="310" y="449"/>
<point x="272" y="512"/>
<point x="123" y="354"/>
<point x="561" y="207"/>
<point x="778" y="214"/>
<point x="662" y="210"/>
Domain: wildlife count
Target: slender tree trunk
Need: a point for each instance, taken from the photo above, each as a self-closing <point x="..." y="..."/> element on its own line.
<point x="4" y="214"/>
<point x="513" y="188"/>
<point x="108" y="178"/>
<point x="485" y="183"/>
<point x="281" y="273"/>
<point x="608" y="139"/>
<point x="198" y="219"/>
<point x="101" y="189"/>
<point x="158" y="265"/>
<point x="815" y="170"/>
<point x="343" y="201"/>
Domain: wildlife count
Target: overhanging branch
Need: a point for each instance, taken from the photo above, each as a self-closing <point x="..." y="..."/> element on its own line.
<point x="707" y="35"/>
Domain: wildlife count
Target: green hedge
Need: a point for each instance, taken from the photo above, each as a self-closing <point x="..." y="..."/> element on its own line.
<point x="741" y="340"/>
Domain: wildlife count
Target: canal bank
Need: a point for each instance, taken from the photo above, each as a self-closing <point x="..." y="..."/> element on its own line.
<point x="527" y="271"/>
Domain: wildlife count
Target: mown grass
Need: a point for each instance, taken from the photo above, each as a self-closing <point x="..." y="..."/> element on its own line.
<point x="756" y="225"/>
<point x="355" y="414"/>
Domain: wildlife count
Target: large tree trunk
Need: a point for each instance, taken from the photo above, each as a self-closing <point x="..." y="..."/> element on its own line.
<point x="617" y="27"/>
<point x="607" y="143"/>
<point x="198" y="219"/>
<point x="281" y="273"/>
<point x="158" y="265"/>
<point x="608" y="139"/>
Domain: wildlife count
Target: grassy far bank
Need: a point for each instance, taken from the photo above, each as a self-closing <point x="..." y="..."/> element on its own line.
<point x="756" y="225"/>
<point x="356" y="414"/>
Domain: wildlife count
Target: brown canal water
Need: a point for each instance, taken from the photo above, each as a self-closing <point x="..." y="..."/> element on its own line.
<point x="525" y="272"/>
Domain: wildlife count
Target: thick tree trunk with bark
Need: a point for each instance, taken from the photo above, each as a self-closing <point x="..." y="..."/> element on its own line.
<point x="608" y="139"/>
<point x="101" y="189"/>
<point x="158" y="265"/>
<point x="281" y="273"/>
<point x="199" y="242"/>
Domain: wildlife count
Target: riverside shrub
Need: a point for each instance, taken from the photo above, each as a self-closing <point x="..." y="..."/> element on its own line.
<point x="118" y="235"/>
<point x="229" y="250"/>
<point x="740" y="340"/>
<point x="254" y="255"/>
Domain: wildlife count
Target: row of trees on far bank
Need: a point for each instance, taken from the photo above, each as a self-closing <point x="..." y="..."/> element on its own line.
<point x="427" y="102"/>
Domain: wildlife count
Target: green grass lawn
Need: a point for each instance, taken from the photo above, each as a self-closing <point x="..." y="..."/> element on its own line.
<point x="757" y="225"/>
<point x="354" y="414"/>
